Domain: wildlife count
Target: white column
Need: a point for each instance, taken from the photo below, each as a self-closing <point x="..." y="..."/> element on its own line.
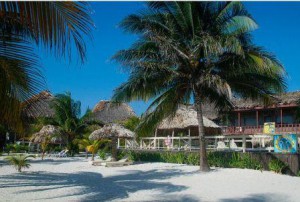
<point x="244" y="144"/>
<point x="118" y="143"/>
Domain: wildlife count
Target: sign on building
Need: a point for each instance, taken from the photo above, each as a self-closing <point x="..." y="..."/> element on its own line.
<point x="285" y="143"/>
<point x="269" y="128"/>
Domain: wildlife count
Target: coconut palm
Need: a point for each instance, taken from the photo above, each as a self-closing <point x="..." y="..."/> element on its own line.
<point x="194" y="52"/>
<point x="57" y="26"/>
<point x="67" y="115"/>
<point x="19" y="161"/>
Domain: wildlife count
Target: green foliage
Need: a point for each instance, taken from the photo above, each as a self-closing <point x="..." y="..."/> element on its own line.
<point x="102" y="154"/>
<point x="217" y="159"/>
<point x="32" y="24"/>
<point x="277" y="166"/>
<point x="19" y="161"/>
<point x="209" y="53"/>
<point x="15" y="148"/>
<point x="73" y="148"/>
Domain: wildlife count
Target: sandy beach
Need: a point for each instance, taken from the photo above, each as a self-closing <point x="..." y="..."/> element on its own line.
<point x="74" y="179"/>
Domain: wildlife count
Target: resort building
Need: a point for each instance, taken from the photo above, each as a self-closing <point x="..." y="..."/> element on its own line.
<point x="240" y="129"/>
<point x="248" y="117"/>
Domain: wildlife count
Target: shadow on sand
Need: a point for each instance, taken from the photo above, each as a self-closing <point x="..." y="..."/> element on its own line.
<point x="95" y="187"/>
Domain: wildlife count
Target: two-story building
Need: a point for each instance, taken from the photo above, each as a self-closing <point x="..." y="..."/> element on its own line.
<point x="248" y="117"/>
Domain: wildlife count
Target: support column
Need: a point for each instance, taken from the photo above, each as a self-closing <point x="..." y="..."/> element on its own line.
<point x="257" y="120"/>
<point x="119" y="143"/>
<point x="190" y="140"/>
<point x="281" y="119"/>
<point x="172" y="139"/>
<point x="239" y="119"/>
<point x="155" y="138"/>
<point x="244" y="144"/>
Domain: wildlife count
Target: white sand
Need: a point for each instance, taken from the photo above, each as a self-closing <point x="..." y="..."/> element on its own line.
<point x="76" y="180"/>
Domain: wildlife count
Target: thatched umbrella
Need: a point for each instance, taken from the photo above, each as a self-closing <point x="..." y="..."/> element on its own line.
<point x="111" y="112"/>
<point x="47" y="132"/>
<point x="113" y="132"/>
<point x="39" y="105"/>
<point x="186" y="118"/>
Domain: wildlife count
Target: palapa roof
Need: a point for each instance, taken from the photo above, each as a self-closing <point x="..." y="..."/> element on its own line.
<point x="185" y="116"/>
<point x="111" y="131"/>
<point x="111" y="112"/>
<point x="39" y="105"/>
<point x="48" y="131"/>
<point x="289" y="98"/>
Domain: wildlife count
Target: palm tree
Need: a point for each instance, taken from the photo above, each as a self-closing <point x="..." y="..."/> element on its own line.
<point x="194" y="52"/>
<point x="58" y="26"/>
<point x="94" y="147"/>
<point x="67" y="115"/>
<point x="19" y="161"/>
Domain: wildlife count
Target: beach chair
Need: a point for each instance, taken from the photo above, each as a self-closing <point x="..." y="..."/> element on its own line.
<point x="101" y="161"/>
<point x="63" y="153"/>
<point x="123" y="162"/>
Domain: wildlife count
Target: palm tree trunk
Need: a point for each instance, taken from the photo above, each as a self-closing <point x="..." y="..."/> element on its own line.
<point x="203" y="157"/>
<point x="114" y="148"/>
<point x="93" y="156"/>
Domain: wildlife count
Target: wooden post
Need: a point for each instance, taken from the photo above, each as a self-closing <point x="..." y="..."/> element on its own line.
<point x="190" y="140"/>
<point x="281" y="119"/>
<point x="141" y="144"/>
<point x="257" y="122"/>
<point x="172" y="139"/>
<point x="239" y="119"/>
<point x="244" y="144"/>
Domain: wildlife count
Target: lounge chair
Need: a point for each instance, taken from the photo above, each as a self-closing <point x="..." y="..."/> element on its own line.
<point x="123" y="162"/>
<point x="101" y="161"/>
<point x="63" y="153"/>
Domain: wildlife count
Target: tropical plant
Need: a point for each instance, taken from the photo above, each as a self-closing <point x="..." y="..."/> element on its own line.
<point x="194" y="52"/>
<point x="277" y="166"/>
<point x="45" y="146"/>
<point x="67" y="115"/>
<point x="58" y="26"/>
<point x="19" y="161"/>
<point x="93" y="148"/>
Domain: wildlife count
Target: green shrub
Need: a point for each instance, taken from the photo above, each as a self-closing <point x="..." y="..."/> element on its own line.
<point x="193" y="159"/>
<point x="102" y="154"/>
<point x="218" y="159"/>
<point x="277" y="166"/>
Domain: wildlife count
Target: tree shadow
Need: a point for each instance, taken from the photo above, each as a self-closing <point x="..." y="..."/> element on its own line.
<point x="95" y="187"/>
<point x="267" y="197"/>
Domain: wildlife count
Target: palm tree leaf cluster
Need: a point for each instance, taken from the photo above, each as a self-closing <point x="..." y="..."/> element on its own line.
<point x="189" y="50"/>
<point x="59" y="27"/>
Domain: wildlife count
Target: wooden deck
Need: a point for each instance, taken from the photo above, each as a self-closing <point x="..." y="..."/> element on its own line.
<point x="252" y="130"/>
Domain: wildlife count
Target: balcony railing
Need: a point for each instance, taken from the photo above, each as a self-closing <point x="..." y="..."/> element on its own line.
<point x="279" y="128"/>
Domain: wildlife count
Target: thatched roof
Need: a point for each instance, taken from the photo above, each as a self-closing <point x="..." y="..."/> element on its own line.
<point x="185" y="116"/>
<point x="279" y="100"/>
<point x="39" y="105"/>
<point x="48" y="131"/>
<point x="109" y="112"/>
<point x="111" y="131"/>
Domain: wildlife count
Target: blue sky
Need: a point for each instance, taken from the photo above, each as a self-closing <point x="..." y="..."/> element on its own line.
<point x="279" y="33"/>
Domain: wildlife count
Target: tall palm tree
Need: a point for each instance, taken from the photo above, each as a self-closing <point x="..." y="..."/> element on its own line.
<point x="194" y="52"/>
<point x="57" y="26"/>
<point x="67" y="115"/>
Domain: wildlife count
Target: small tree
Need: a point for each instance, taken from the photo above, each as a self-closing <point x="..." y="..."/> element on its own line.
<point x="19" y="161"/>
<point x="45" y="145"/>
<point x="93" y="148"/>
